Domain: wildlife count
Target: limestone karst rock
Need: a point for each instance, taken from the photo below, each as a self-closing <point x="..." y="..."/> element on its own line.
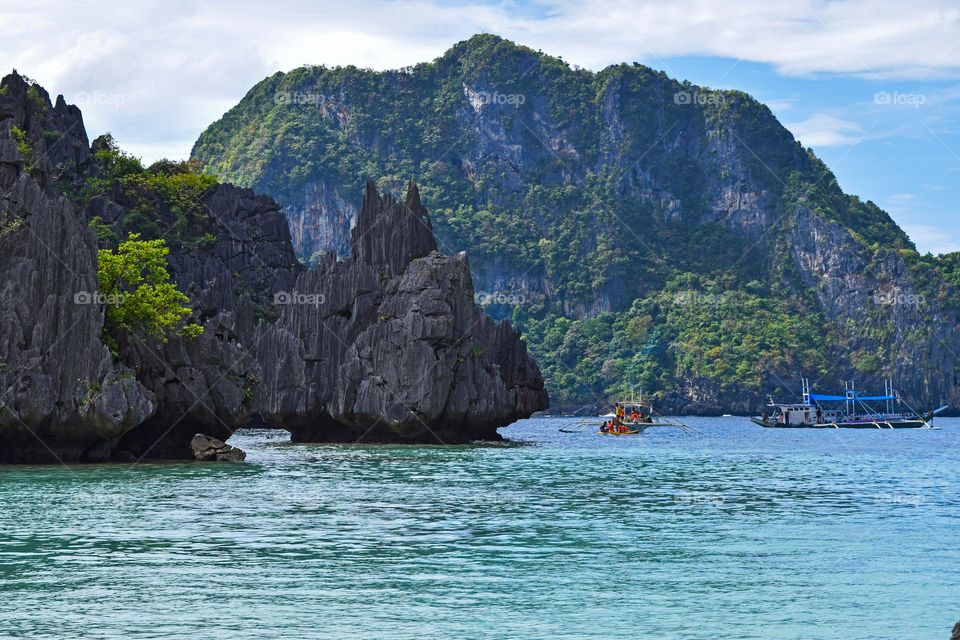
<point x="62" y="396"/>
<point x="415" y="358"/>
<point x="386" y="345"/>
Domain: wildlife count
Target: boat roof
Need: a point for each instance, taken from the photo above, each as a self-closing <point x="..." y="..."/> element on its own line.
<point x="819" y="397"/>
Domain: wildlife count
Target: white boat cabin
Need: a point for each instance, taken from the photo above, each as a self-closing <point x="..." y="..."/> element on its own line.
<point x="801" y="414"/>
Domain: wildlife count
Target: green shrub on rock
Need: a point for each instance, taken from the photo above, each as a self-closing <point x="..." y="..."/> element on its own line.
<point x="138" y="294"/>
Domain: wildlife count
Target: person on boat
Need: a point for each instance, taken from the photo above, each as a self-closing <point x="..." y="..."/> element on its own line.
<point x="605" y="427"/>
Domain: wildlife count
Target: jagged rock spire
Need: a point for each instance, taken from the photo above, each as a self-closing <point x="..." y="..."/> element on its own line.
<point x="390" y="234"/>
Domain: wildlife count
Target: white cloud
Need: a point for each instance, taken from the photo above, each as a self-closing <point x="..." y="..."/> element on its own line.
<point x="900" y="204"/>
<point x="780" y="104"/>
<point x="179" y="64"/>
<point x="901" y="198"/>
<point x="824" y="130"/>
<point x="915" y="39"/>
<point x="936" y="240"/>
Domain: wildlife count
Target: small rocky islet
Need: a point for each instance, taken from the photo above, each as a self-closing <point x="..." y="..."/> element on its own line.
<point x="386" y="345"/>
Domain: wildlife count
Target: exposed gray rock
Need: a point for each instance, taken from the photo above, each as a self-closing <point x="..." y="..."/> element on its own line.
<point x="207" y="384"/>
<point x="59" y="150"/>
<point x="385" y="346"/>
<point x="415" y="359"/>
<point x="956" y="632"/>
<point x="62" y="396"/>
<point x="205" y="448"/>
<point x="387" y="235"/>
<point x="11" y="160"/>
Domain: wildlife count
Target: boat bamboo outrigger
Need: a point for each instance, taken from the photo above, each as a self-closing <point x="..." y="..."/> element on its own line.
<point x="849" y="411"/>
<point x="632" y="417"/>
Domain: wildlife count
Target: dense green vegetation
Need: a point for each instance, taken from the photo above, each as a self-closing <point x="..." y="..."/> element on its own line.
<point x="736" y="339"/>
<point x="164" y="201"/>
<point x="139" y="297"/>
<point x="937" y="277"/>
<point x="603" y="185"/>
<point x="164" y="208"/>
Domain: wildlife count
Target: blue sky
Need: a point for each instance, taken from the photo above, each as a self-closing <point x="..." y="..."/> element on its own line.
<point x="893" y="141"/>
<point x="873" y="88"/>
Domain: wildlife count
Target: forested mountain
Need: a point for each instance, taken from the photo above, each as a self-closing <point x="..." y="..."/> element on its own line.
<point x="639" y="230"/>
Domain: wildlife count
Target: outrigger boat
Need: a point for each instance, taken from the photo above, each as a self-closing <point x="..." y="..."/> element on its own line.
<point x="630" y="418"/>
<point x="849" y="411"/>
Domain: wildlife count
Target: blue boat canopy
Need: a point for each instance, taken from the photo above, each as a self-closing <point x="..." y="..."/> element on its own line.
<point x="823" y="398"/>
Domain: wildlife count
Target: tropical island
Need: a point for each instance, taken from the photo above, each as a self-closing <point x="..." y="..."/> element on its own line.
<point x="638" y="232"/>
<point x="459" y="346"/>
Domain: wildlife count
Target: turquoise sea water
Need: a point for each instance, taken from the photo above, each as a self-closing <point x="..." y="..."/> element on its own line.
<point x="738" y="532"/>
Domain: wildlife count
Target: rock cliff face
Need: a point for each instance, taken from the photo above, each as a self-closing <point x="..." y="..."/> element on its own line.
<point x="62" y="396"/>
<point x="206" y="384"/>
<point x="385" y="346"/>
<point x="415" y="358"/>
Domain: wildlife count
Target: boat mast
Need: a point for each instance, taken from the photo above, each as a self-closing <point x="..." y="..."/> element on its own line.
<point x="850" y="393"/>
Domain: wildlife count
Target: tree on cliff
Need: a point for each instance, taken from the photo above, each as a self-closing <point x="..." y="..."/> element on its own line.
<point x="137" y="292"/>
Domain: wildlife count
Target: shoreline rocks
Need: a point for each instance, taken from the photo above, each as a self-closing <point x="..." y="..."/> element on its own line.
<point x="208" y="449"/>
